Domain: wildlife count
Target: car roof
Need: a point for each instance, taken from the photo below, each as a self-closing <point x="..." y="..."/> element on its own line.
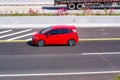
<point x="64" y="26"/>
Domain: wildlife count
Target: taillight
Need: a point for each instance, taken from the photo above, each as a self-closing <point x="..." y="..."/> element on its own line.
<point x="74" y="30"/>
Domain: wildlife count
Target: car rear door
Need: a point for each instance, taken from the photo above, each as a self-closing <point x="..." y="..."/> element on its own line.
<point x="65" y="35"/>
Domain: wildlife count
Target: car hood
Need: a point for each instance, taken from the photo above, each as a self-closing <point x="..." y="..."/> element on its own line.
<point x="36" y="34"/>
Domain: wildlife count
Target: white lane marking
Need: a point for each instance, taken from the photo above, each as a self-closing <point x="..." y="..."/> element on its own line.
<point x="100" y="53"/>
<point x="58" y="74"/>
<point x="15" y="33"/>
<point x="29" y="39"/>
<point x="5" y="31"/>
<point x="20" y="36"/>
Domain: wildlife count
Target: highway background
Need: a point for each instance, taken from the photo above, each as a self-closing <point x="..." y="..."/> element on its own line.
<point x="20" y="60"/>
<point x="95" y="57"/>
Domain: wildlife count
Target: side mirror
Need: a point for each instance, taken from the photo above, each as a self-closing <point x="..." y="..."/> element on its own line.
<point x="47" y="35"/>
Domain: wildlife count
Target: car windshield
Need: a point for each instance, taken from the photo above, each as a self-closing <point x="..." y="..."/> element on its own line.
<point x="45" y="30"/>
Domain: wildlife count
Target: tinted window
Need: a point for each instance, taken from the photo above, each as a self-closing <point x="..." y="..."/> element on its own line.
<point x="54" y="32"/>
<point x="64" y="31"/>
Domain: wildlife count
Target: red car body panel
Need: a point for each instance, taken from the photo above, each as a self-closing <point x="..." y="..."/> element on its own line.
<point x="56" y="39"/>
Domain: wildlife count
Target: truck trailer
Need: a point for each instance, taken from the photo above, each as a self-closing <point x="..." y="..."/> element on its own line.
<point x="79" y="4"/>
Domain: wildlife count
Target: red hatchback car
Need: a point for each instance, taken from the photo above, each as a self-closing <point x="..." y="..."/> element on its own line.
<point x="59" y="34"/>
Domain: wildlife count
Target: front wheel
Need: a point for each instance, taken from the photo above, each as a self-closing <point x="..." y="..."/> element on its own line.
<point x="71" y="42"/>
<point x="41" y="43"/>
<point x="71" y="6"/>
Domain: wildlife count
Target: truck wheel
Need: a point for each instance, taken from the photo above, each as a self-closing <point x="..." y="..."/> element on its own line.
<point x="71" y="6"/>
<point x="79" y="6"/>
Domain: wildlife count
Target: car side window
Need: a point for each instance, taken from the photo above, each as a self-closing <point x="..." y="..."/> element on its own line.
<point x="64" y="31"/>
<point x="54" y="32"/>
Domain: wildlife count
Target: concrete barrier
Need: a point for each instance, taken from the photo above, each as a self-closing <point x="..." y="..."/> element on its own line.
<point x="44" y="21"/>
<point x="19" y="9"/>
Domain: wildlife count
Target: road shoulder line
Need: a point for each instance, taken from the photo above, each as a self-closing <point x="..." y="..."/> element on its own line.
<point x="80" y="40"/>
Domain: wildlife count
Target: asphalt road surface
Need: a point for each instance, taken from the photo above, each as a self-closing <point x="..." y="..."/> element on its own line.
<point x="23" y="61"/>
<point x="88" y="60"/>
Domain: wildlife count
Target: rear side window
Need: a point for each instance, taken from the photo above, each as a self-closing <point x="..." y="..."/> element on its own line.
<point x="64" y="31"/>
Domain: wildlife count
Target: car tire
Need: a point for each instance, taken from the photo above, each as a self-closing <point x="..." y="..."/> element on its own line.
<point x="71" y="42"/>
<point x="41" y="43"/>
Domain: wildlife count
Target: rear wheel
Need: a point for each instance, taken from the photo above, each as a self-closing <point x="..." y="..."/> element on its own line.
<point x="71" y="42"/>
<point x="79" y="6"/>
<point x="41" y="43"/>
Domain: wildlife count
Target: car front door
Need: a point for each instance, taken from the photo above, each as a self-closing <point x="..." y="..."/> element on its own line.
<point x="53" y="37"/>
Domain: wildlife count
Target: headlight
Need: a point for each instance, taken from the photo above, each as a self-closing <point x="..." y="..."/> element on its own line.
<point x="34" y="37"/>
